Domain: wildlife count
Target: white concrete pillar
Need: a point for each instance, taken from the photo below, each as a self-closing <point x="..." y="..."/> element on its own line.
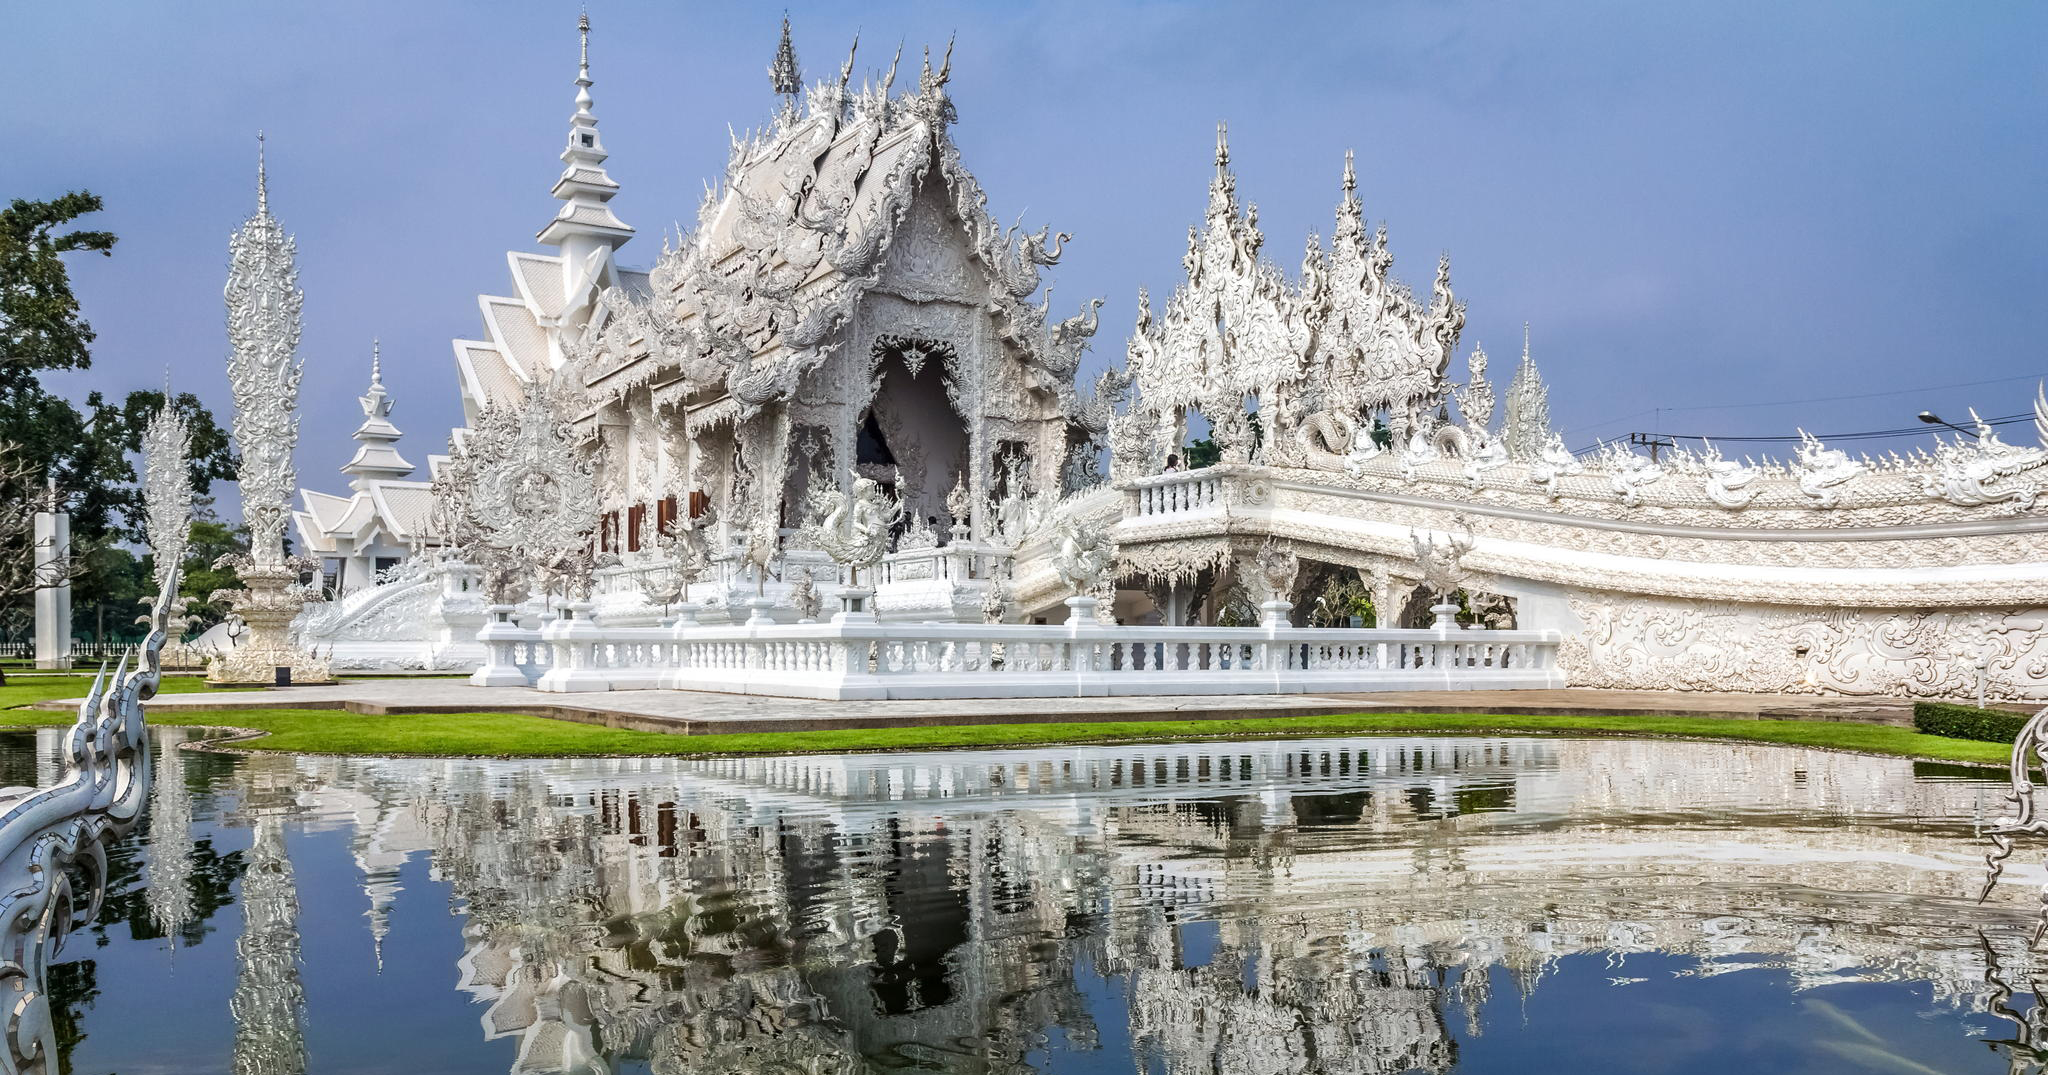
<point x="53" y="603"/>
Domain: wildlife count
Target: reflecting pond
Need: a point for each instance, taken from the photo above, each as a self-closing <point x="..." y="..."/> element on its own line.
<point x="1343" y="905"/>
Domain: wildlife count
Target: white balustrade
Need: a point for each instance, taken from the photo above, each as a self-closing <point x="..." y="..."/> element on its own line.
<point x="1178" y="492"/>
<point x="855" y="657"/>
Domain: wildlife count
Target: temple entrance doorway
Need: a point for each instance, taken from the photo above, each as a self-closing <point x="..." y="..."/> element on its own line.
<point x="910" y="437"/>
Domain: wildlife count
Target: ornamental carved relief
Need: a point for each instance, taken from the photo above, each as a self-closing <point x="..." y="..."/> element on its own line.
<point x="1638" y="643"/>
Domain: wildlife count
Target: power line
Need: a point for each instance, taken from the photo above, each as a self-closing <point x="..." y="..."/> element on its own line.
<point x="1872" y="434"/>
<point x="1816" y="399"/>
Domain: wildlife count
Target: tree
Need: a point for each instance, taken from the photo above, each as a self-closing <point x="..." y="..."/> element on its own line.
<point x="39" y="324"/>
<point x="211" y="539"/>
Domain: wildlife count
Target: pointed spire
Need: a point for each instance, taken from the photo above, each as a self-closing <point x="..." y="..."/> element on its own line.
<point x="584" y="222"/>
<point x="262" y="179"/>
<point x="378" y="458"/>
<point x="1350" y="214"/>
<point x="1525" y="425"/>
<point x="1223" y="188"/>
<point x="783" y="74"/>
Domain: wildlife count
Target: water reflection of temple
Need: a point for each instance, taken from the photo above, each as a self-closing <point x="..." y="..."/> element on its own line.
<point x="1292" y="907"/>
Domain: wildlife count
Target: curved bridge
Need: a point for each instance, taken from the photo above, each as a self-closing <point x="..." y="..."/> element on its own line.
<point x="1861" y="599"/>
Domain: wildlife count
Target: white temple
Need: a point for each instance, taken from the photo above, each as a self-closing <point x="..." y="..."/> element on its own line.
<point x="386" y="518"/>
<point x="848" y="328"/>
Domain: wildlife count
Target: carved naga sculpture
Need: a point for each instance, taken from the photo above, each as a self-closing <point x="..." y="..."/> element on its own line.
<point x="2029" y="750"/>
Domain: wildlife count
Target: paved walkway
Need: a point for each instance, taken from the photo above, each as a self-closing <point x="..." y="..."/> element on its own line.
<point x="698" y="713"/>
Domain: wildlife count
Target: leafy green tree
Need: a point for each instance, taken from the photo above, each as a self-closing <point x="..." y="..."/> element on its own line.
<point x="40" y="328"/>
<point x="91" y="452"/>
<point x="211" y="539"/>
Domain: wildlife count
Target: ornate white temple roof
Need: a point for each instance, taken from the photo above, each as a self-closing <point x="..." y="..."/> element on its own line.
<point x="809" y="210"/>
<point x="385" y="509"/>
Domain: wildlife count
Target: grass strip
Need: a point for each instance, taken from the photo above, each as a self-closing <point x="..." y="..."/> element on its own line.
<point x="326" y="731"/>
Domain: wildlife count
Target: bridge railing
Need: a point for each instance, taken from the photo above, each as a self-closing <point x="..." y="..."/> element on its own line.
<point x="857" y="657"/>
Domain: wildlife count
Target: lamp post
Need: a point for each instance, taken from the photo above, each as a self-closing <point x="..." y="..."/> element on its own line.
<point x="1934" y="419"/>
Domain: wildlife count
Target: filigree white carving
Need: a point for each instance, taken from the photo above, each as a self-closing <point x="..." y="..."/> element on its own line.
<point x="853" y="528"/>
<point x="167" y="488"/>
<point x="1082" y="555"/>
<point x="525" y="505"/>
<point x="264" y="304"/>
<point x="1825" y="472"/>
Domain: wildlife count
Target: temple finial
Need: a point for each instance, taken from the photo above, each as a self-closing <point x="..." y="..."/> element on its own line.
<point x="1222" y="145"/>
<point x="889" y="79"/>
<point x="262" y="178"/>
<point x="783" y="74"/>
<point x="846" y="69"/>
<point x="1525" y="341"/>
<point x="583" y="29"/>
<point x="1350" y="175"/>
<point x="376" y="363"/>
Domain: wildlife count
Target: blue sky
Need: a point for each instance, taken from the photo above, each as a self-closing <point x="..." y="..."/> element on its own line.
<point x="1693" y="205"/>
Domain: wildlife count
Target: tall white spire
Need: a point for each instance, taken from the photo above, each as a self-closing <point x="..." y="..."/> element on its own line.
<point x="1525" y="427"/>
<point x="378" y="457"/>
<point x="585" y="223"/>
<point x="264" y="301"/>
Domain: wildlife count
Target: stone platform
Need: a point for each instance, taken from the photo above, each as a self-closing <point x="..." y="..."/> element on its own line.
<point x="692" y="713"/>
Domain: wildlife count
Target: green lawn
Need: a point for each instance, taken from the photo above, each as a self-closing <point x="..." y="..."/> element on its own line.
<point x="30" y="689"/>
<point x="510" y="735"/>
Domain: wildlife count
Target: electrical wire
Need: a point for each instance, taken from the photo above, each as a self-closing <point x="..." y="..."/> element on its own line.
<point x="1816" y="399"/>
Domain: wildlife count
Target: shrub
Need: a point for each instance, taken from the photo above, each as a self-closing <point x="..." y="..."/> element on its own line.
<point x="1967" y="722"/>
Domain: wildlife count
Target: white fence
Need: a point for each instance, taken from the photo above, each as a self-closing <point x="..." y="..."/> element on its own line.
<point x="856" y="657"/>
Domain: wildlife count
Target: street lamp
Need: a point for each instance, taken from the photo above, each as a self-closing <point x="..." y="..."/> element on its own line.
<point x="1934" y="419"/>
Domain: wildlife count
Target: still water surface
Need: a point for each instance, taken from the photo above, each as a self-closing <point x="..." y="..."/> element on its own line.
<point x="1360" y="905"/>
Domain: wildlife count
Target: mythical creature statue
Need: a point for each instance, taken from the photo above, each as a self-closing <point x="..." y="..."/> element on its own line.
<point x="1491" y="455"/>
<point x="995" y="601"/>
<point x="804" y="597"/>
<point x="1629" y="473"/>
<point x="1825" y="472"/>
<point x="1969" y="470"/>
<point x="1363" y="449"/>
<point x="853" y="528"/>
<point x="1274" y="567"/>
<point x="686" y="551"/>
<point x="757" y="552"/>
<point x="1082" y="554"/>
<point x="959" y="506"/>
<point x="1420" y="452"/>
<point x="1556" y="461"/>
<point x="1442" y="566"/>
<point x="1729" y="483"/>
<point x="1325" y="437"/>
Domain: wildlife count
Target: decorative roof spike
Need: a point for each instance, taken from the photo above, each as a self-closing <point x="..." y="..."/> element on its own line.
<point x="783" y="74"/>
<point x="584" y="186"/>
<point x="889" y="79"/>
<point x="846" y="69"/>
<point x="1350" y="213"/>
<point x="1223" y="188"/>
<point x="262" y="180"/>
